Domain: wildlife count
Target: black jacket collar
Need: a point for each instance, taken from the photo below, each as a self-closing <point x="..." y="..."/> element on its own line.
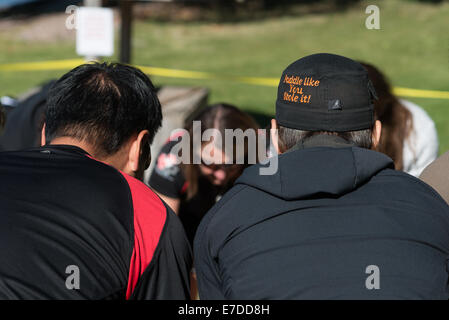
<point x="61" y="148"/>
<point x="323" y="140"/>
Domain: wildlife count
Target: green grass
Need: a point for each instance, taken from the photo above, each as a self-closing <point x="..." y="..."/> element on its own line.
<point x="412" y="48"/>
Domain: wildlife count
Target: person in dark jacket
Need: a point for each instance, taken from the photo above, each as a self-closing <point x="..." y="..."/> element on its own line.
<point x="335" y="221"/>
<point x="75" y="220"/>
<point x="24" y="122"/>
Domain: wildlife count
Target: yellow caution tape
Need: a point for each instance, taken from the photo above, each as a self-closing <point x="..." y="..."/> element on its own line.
<point x="43" y="65"/>
<point x="186" y="74"/>
<point x="175" y="73"/>
<point x="418" y="93"/>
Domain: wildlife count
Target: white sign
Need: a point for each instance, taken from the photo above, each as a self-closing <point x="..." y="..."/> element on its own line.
<point x="95" y="32"/>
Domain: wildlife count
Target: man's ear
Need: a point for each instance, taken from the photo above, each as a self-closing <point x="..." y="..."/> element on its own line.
<point x="138" y="155"/>
<point x="274" y="135"/>
<point x="43" y="141"/>
<point x="377" y="130"/>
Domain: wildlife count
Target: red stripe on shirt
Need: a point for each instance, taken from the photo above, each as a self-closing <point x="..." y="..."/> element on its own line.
<point x="149" y="219"/>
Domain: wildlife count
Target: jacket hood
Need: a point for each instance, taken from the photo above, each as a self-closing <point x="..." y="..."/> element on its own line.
<point x="328" y="166"/>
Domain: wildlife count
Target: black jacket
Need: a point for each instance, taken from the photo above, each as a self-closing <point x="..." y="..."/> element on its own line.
<point x="72" y="227"/>
<point x="313" y="229"/>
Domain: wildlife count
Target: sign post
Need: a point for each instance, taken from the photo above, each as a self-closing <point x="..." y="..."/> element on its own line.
<point x="126" y="12"/>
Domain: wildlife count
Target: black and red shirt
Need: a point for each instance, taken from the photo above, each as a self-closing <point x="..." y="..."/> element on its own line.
<point x="62" y="210"/>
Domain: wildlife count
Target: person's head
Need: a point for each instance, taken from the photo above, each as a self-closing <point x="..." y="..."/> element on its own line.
<point x="109" y="109"/>
<point x="396" y="119"/>
<point x="325" y="94"/>
<point x="218" y="166"/>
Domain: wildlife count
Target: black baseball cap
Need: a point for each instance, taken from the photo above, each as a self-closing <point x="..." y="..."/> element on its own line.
<point x="325" y="92"/>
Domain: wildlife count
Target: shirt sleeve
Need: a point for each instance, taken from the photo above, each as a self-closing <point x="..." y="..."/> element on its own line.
<point x="209" y="283"/>
<point x="167" y="277"/>
<point x="206" y="252"/>
<point x="161" y="259"/>
<point x="167" y="177"/>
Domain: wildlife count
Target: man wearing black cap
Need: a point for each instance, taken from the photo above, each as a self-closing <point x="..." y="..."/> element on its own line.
<point x="336" y="221"/>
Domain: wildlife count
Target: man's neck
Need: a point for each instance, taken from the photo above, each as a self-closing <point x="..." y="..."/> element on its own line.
<point x="74" y="142"/>
<point x="117" y="160"/>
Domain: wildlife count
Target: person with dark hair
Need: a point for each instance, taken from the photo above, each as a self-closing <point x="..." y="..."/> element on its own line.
<point x="409" y="136"/>
<point x="76" y="222"/>
<point x="191" y="189"/>
<point x="335" y="221"/>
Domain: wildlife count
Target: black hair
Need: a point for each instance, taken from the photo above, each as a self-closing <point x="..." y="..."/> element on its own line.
<point x="103" y="104"/>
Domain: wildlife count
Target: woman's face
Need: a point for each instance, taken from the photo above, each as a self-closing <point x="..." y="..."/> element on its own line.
<point x="214" y="167"/>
